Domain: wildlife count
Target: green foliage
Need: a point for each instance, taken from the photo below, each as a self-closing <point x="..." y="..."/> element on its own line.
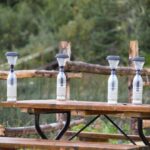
<point x="96" y="28"/>
<point x="99" y="126"/>
<point x="104" y="126"/>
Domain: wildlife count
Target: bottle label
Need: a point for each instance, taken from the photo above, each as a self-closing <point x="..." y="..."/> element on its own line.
<point x="137" y="94"/>
<point x="12" y="81"/>
<point x="138" y="86"/>
<point x="112" y="95"/>
<point x="113" y="86"/>
<point x="61" y="81"/>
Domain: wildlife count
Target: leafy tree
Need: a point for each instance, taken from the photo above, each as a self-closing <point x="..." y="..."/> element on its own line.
<point x="96" y="28"/>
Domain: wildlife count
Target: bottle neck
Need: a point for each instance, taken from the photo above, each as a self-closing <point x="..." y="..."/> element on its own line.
<point x="113" y="72"/>
<point x="61" y="69"/>
<point x="11" y="68"/>
<point x="138" y="72"/>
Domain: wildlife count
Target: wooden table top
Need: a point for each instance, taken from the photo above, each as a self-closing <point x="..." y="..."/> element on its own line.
<point x="74" y="105"/>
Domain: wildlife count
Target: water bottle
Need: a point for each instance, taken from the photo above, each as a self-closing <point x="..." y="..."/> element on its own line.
<point x="11" y="79"/>
<point x="138" y="81"/>
<point x="112" y="95"/>
<point x="61" y="77"/>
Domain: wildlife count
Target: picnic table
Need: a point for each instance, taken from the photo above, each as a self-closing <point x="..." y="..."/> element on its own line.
<point x="76" y="107"/>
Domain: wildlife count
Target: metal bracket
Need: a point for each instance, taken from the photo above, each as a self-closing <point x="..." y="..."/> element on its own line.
<point x="66" y="126"/>
<point x="120" y="130"/>
<point x="38" y="128"/>
<point x="76" y="134"/>
<point x="140" y="131"/>
<point x="41" y="133"/>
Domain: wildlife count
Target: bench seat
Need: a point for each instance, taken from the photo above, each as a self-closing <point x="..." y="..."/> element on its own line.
<point x="11" y="143"/>
<point x="102" y="137"/>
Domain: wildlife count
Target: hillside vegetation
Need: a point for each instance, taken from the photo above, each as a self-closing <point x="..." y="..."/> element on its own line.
<point x="96" y="28"/>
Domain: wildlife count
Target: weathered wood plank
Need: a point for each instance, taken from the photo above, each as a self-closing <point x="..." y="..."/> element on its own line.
<point x="38" y="73"/>
<point x="133" y="52"/>
<point x="71" y="105"/>
<point x="6" y="142"/>
<point x="65" y="48"/>
<point x="78" y="66"/>
<point x="92" y="136"/>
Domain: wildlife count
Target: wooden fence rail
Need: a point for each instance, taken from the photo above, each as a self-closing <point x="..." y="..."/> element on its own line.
<point x="76" y="67"/>
<point x="38" y="73"/>
<point x="99" y="69"/>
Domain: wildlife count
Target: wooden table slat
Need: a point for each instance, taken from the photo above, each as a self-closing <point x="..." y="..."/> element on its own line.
<point x="6" y="142"/>
<point x="74" y="105"/>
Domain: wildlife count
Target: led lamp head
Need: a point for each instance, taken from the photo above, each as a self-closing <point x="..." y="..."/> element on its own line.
<point x="113" y="61"/>
<point x="12" y="57"/>
<point x="138" y="62"/>
<point x="61" y="58"/>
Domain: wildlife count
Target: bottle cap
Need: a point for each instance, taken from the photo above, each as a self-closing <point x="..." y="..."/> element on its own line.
<point x="11" y="54"/>
<point x="113" y="57"/>
<point x="141" y="59"/>
<point x="61" y="55"/>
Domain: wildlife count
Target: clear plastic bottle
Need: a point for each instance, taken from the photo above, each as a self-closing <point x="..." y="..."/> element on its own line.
<point x="61" y="77"/>
<point x="137" y="89"/>
<point x="11" y="87"/>
<point x="138" y="81"/>
<point x="112" y="96"/>
<point x="61" y="86"/>
<point x="112" y="89"/>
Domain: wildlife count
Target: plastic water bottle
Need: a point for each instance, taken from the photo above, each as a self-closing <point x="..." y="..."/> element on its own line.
<point x="11" y="79"/>
<point x="112" y="96"/>
<point x="138" y="81"/>
<point x="61" y="77"/>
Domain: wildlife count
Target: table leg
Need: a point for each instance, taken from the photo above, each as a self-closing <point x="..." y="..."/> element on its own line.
<point x="140" y="131"/>
<point x="38" y="128"/>
<point x="41" y="133"/>
<point x="66" y="126"/>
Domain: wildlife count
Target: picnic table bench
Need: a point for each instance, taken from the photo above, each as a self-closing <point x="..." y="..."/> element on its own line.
<point x="7" y="143"/>
<point x="37" y="107"/>
<point x="103" y="137"/>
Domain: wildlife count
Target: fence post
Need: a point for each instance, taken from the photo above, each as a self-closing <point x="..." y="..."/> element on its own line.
<point x="65" y="47"/>
<point x="133" y="52"/>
